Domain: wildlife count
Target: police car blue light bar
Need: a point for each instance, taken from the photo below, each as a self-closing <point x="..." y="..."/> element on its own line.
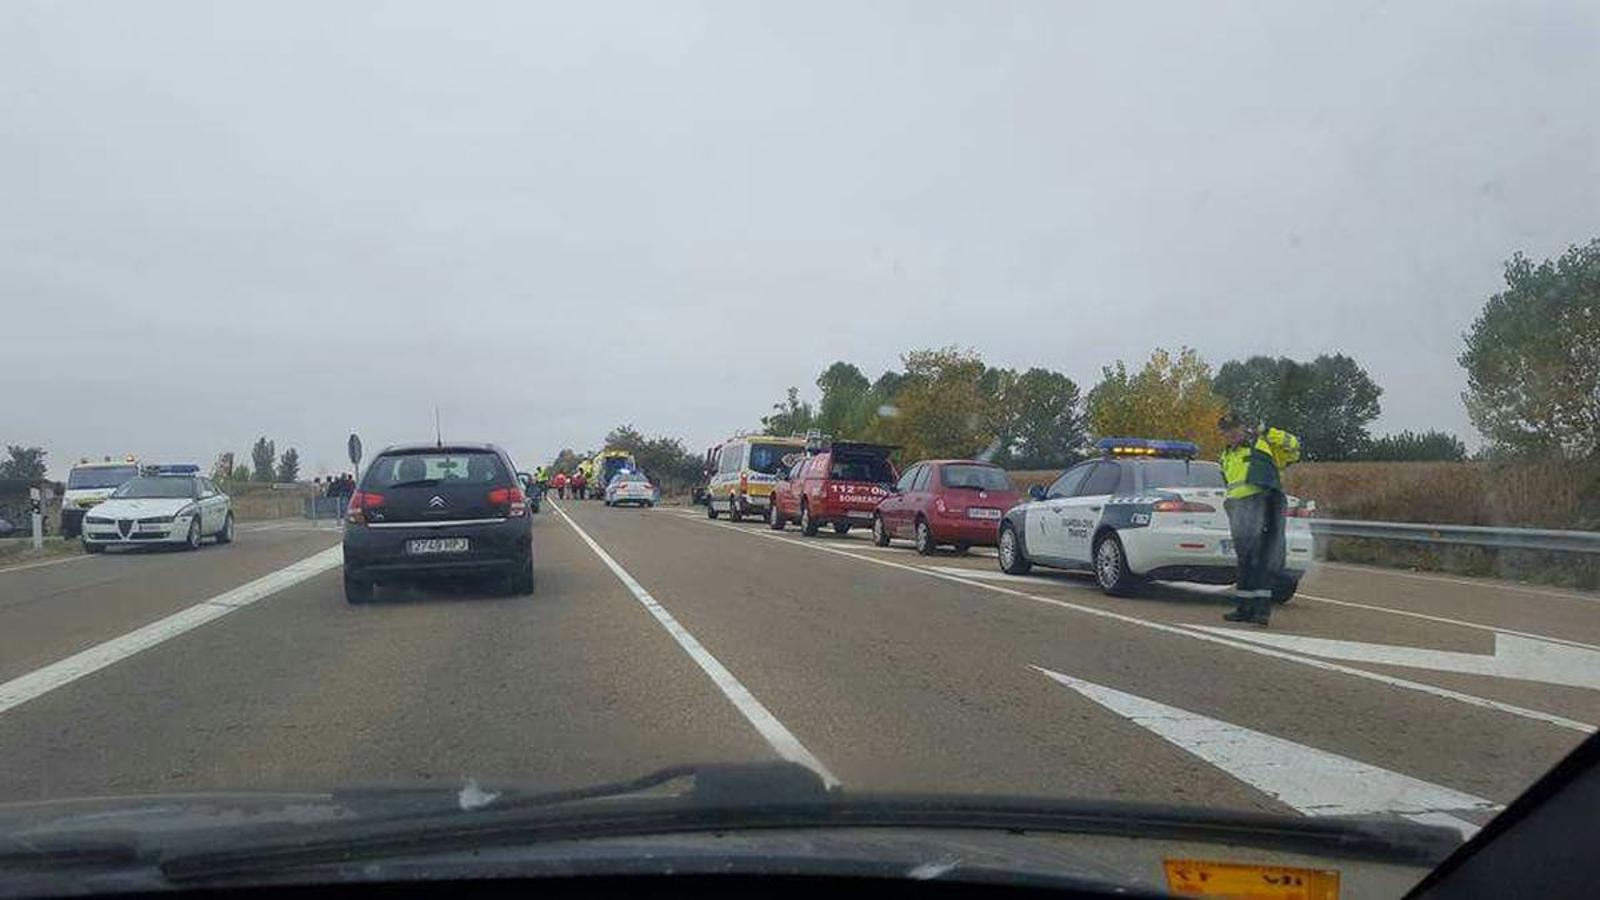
<point x="178" y="469"/>
<point x="1124" y="446"/>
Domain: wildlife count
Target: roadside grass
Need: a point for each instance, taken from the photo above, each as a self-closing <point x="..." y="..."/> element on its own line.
<point x="21" y="552"/>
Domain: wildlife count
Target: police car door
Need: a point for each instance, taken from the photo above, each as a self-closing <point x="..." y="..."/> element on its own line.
<point x="1044" y="534"/>
<point x="1080" y="514"/>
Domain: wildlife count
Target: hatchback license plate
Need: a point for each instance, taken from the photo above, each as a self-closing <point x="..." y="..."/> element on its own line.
<point x="979" y="512"/>
<point x="422" y="546"/>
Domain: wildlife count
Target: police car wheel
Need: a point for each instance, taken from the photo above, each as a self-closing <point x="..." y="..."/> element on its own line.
<point x="192" y="541"/>
<point x="93" y="548"/>
<point x="1111" y="568"/>
<point x="225" y="533"/>
<point x="924" y="538"/>
<point x="1012" y="559"/>
<point x="880" y="532"/>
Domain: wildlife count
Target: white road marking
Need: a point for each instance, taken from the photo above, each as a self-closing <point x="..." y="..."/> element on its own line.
<point x="1477" y="583"/>
<point x="1479" y="626"/>
<point x="781" y="739"/>
<point x="1184" y="631"/>
<point x="42" y="563"/>
<point x="27" y="687"/>
<point x="1313" y="782"/>
<point x="1515" y="657"/>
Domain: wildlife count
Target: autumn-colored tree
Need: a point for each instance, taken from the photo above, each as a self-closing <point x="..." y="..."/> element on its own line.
<point x="1169" y="398"/>
<point x="940" y="408"/>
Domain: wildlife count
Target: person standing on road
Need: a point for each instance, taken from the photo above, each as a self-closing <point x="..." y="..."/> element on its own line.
<point x="1252" y="463"/>
<point x="560" y="481"/>
<point x="578" y="484"/>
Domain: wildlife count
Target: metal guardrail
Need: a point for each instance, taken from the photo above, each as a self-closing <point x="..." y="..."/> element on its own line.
<point x="1476" y="535"/>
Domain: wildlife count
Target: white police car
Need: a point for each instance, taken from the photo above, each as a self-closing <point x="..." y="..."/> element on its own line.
<point x="163" y="505"/>
<point x="1144" y="511"/>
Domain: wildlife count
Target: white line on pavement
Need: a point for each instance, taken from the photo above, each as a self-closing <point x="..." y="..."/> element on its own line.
<point x="1477" y="583"/>
<point x="27" y="687"/>
<point x="42" y="563"/>
<point x="777" y="735"/>
<point x="1313" y="782"/>
<point x="1184" y="631"/>
<point x="1443" y="620"/>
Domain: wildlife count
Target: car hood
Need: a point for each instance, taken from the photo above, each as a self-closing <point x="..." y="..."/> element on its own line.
<point x="132" y="508"/>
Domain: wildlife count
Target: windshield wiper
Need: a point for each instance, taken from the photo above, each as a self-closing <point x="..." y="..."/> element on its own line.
<point x="758" y="796"/>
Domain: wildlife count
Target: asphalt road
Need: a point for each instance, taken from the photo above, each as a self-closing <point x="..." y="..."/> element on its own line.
<point x="658" y="637"/>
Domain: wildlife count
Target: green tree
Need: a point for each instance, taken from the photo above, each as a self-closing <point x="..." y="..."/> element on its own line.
<point x="241" y="472"/>
<point x="625" y="437"/>
<point x="261" y="456"/>
<point x="1169" y="397"/>
<point x="941" y="409"/>
<point x="567" y="461"/>
<point x="1416" y="446"/>
<point x="25" y="463"/>
<point x="1046" y="428"/>
<point x="843" y="388"/>
<point x="1533" y="357"/>
<point x="289" y="465"/>
<point x="1328" y="403"/>
<point x="792" y="416"/>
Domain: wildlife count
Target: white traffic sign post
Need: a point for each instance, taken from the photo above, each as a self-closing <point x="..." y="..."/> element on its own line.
<point x="36" y="505"/>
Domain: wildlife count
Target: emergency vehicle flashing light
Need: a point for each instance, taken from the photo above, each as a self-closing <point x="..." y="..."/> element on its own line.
<point x="1123" y="446"/>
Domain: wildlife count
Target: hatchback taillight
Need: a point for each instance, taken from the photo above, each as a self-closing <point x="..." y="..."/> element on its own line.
<point x="360" y="502"/>
<point x="515" y="502"/>
<point x="1182" y="506"/>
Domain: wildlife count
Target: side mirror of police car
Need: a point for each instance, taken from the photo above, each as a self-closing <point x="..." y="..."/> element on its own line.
<point x="1036" y="492"/>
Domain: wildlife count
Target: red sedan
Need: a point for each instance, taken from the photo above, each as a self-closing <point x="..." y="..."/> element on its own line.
<point x="946" y="501"/>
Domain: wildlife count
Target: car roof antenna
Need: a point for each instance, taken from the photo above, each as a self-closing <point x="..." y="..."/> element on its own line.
<point x="438" y="436"/>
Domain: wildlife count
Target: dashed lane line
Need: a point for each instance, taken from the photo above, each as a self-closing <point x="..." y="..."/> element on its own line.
<point x="777" y="735"/>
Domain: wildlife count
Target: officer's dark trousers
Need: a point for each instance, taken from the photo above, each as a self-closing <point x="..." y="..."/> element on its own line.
<point x="1257" y="525"/>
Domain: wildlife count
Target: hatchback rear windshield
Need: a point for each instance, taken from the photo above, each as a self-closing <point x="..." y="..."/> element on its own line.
<point x="156" y="487"/>
<point x="861" y="468"/>
<point x="99" y="477"/>
<point x="984" y="478"/>
<point x="435" y="468"/>
<point x="1160" y="473"/>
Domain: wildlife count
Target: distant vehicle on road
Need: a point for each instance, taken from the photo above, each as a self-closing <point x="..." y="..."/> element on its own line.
<point x="1146" y="510"/>
<point x="171" y="505"/>
<point x="88" y="485"/>
<point x="946" y="501"/>
<point x="608" y="464"/>
<point x="747" y="467"/>
<point x="432" y="510"/>
<point x="631" y="487"/>
<point x="841" y="487"/>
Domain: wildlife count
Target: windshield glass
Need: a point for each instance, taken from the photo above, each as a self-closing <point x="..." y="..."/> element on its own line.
<point x="987" y="478"/>
<point x="768" y="459"/>
<point x="426" y="469"/>
<point x="90" y="477"/>
<point x="1160" y="473"/>
<point x="163" y="486"/>
<point x="815" y="275"/>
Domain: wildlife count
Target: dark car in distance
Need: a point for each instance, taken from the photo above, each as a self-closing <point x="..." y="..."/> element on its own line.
<point x="946" y="501"/>
<point x="431" y="510"/>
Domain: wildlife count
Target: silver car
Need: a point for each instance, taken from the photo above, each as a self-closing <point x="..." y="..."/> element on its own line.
<point x="631" y="487"/>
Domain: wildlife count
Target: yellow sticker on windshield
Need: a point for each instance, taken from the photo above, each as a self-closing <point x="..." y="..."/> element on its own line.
<point x="1206" y="878"/>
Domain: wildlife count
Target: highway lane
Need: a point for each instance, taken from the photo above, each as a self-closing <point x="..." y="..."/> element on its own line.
<point x="895" y="671"/>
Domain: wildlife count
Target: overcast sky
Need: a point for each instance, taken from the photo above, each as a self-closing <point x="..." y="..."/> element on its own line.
<point x="303" y="219"/>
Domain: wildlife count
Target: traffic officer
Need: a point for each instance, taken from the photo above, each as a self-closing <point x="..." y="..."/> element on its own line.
<point x="541" y="477"/>
<point x="1252" y="463"/>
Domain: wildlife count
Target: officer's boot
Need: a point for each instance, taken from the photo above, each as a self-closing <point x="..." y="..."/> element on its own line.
<point x="1261" y="611"/>
<point x="1244" y="612"/>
